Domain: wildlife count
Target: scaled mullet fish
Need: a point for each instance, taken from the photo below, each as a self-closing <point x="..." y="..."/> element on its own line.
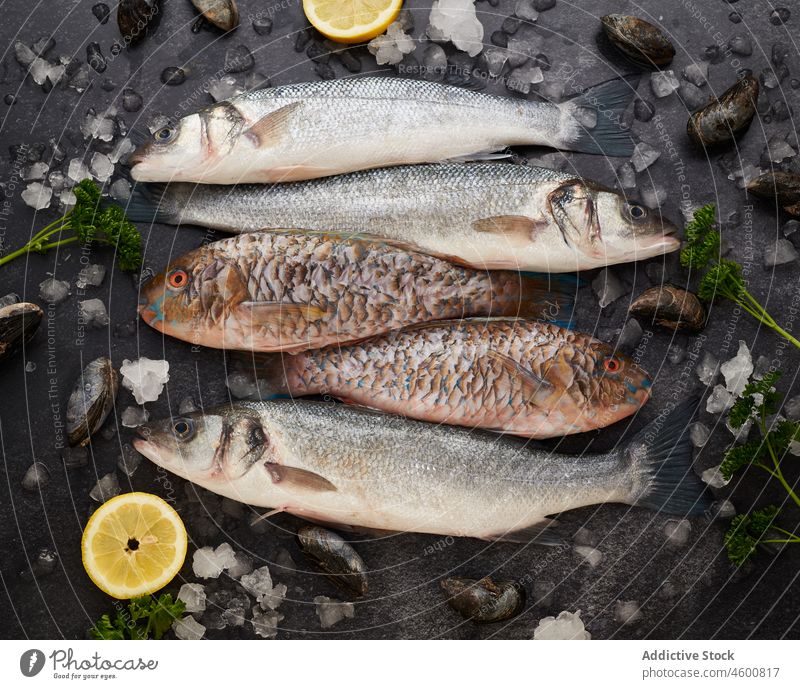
<point x="342" y="465"/>
<point x="487" y="215"/>
<point x="291" y="291"/>
<point x="528" y="378"/>
<point x="303" y="131"/>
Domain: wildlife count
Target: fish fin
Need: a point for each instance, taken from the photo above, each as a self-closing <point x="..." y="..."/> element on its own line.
<point x="517" y="228"/>
<point x="536" y="388"/>
<point x="349" y="528"/>
<point x="260" y="313"/>
<point x="660" y="457"/>
<point x="479" y="156"/>
<point x="147" y="204"/>
<point x="609" y="100"/>
<point x="266" y="515"/>
<point x="272" y="126"/>
<point x="549" y="532"/>
<point x="547" y="297"/>
<point x="303" y="480"/>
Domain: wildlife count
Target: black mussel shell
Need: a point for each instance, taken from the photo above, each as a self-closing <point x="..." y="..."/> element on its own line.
<point x="783" y="187"/>
<point x="136" y="18"/>
<point x="18" y="324"/>
<point x="641" y="42"/>
<point x="482" y="600"/>
<point x="221" y="13"/>
<point x="91" y="400"/>
<point x="336" y="557"/>
<point x="723" y="119"/>
<point x="670" y="307"/>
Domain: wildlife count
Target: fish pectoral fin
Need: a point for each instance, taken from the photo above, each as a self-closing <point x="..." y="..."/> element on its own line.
<point x="518" y="229"/>
<point x="479" y="156"/>
<point x="536" y="388"/>
<point x="273" y="126"/>
<point x="272" y="313"/>
<point x="546" y="531"/>
<point x="292" y="478"/>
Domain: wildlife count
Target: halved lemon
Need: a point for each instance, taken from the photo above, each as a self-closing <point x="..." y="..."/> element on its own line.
<point x="351" y="21"/>
<point x="133" y="545"/>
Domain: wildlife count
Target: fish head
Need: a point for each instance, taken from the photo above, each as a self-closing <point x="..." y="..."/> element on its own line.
<point x="617" y="386"/>
<point x="215" y="448"/>
<point x="168" y="153"/>
<point x="607" y="228"/>
<point x="194" y="298"/>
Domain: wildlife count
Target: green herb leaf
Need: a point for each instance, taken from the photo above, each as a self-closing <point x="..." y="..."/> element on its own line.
<point x="745" y="532"/>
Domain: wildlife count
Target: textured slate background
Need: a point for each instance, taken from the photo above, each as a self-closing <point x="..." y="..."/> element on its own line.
<point x="711" y="599"/>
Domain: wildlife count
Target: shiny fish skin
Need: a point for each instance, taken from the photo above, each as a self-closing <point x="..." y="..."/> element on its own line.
<point x="493" y="216"/>
<point x="451" y="373"/>
<point x="342" y="465"/>
<point x="304" y="131"/>
<point x="291" y="291"/>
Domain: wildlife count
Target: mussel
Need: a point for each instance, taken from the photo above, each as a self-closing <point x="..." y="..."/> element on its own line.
<point x="136" y="18"/>
<point x="784" y="187"/>
<point x="221" y="13"/>
<point x="638" y="40"/>
<point x="18" y="324"/>
<point x="482" y="600"/>
<point x="726" y="117"/>
<point x="336" y="557"/>
<point x="91" y="400"/>
<point x="670" y="307"/>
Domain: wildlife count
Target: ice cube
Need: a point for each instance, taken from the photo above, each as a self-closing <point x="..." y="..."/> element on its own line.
<point x="524" y="9"/>
<point x="37" y="195"/>
<point x="273" y="599"/>
<point x="265" y="624"/>
<point x="129" y="460"/>
<point x="790" y="227"/>
<point x="77" y="170"/>
<point x="92" y="313"/>
<point x="584" y="536"/>
<point x="224" y="88"/>
<point x="67" y="198"/>
<point x="188" y="629"/>
<point x="131" y="101"/>
<point x="493" y="59"/>
<point x="741" y="45"/>
<point x="284" y="560"/>
<point x="96" y="126"/>
<point x="206" y="564"/>
<point x="677" y="531"/>
<point x="234" y="611"/>
<point x="242" y="386"/>
<point x="714" y="478"/>
<point x="792" y="408"/>
<point x="44" y="562"/>
<point x="120" y="152"/>
<point x="691" y="96"/>
<point x="737" y="370"/>
<point x="106" y="488"/>
<point x="699" y="433"/>
<point x="133" y="417"/>
<point x="696" y="73"/>
<point x="37" y="171"/>
<point x="644" y="155"/>
<point x="24" y="54"/>
<point x="53" y="291"/>
<point x="708" y="368"/>
<point x="36" y="477"/>
<point x="522" y="78"/>
<point x="626" y="176"/>
<point x="607" y="287"/>
<point x="74" y="457"/>
<point x="93" y="275"/>
<point x="101" y="167"/>
<point x="744" y="174"/>
<point x="627" y="612"/>
<point x="434" y="61"/>
<point x="145" y="378"/>
<point x="720" y="400"/>
<point x="9" y="299"/>
<point x="775" y="253"/>
<point x="258" y="583"/>
<point x="630" y="335"/>
<point x="194" y="596"/>
<point x="456" y="21"/>
<point x="242" y="565"/>
<point x="186" y="406"/>
<point x="331" y="611"/>
<point x="739" y="434"/>
<point x="238" y="59"/>
<point x="654" y="195"/>
<point x="663" y="83"/>
<point x="721" y="509"/>
<point x="391" y="47"/>
<point x="567" y="626"/>
<point x="591" y="555"/>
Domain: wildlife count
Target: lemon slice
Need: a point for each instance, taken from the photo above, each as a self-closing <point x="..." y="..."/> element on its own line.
<point x="133" y="545"/>
<point x="351" y="21"/>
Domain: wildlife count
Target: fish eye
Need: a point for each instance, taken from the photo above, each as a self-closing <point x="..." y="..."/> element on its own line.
<point x="611" y="364"/>
<point x="257" y="438"/>
<point x="636" y="211"/>
<point x="178" y="279"/>
<point x="183" y="429"/>
<point x="164" y="134"/>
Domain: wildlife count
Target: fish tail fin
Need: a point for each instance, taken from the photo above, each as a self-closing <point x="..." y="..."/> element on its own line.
<point x="266" y="371"/>
<point x="546" y="297"/>
<point x="609" y="101"/>
<point x="661" y="462"/>
<point x="148" y="203"/>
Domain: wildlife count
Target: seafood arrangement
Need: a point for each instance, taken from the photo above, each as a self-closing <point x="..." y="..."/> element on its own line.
<point x="395" y="301"/>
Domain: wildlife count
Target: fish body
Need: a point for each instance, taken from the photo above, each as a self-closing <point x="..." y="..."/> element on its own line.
<point x="342" y="465"/>
<point x="304" y="131"/>
<point x="291" y="291"/>
<point x="495" y="216"/>
<point x="528" y="378"/>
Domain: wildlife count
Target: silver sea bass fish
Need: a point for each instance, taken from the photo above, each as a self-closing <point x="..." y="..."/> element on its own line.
<point x="303" y="131"/>
<point x="348" y="466"/>
<point x="494" y="216"/>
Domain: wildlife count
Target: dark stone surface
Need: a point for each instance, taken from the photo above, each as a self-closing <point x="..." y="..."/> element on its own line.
<point x="711" y="599"/>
